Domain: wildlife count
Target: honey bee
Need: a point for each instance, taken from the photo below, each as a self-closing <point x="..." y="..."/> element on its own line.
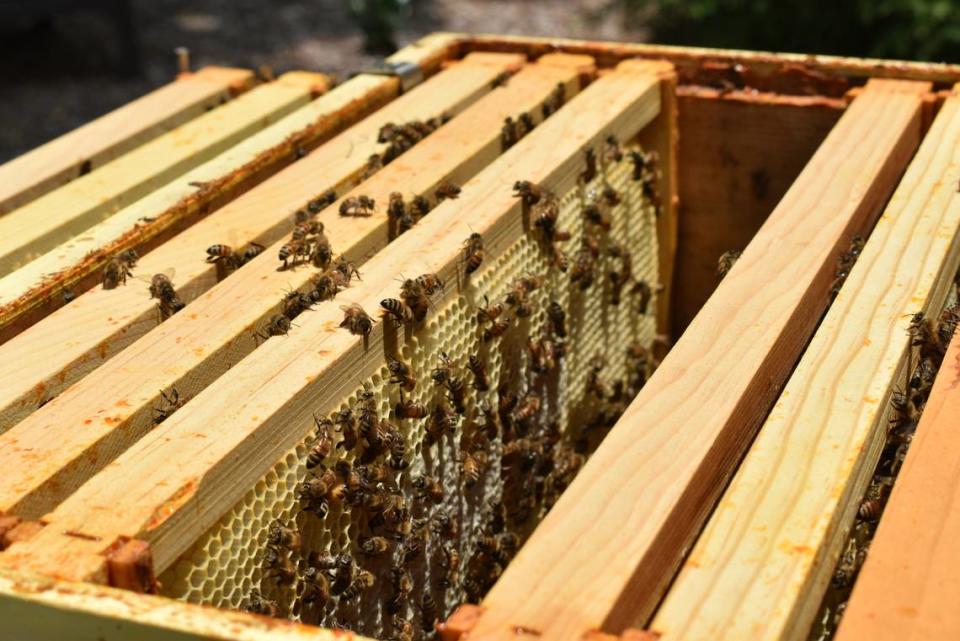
<point x="374" y="473"/>
<point x="444" y="371"/>
<point x="362" y="582"/>
<point x="597" y="213"/>
<point x="489" y="313"/>
<point x="446" y="189"/>
<point x="545" y="214"/>
<point x="293" y="303"/>
<point x="451" y="566"/>
<point x="541" y="358"/>
<point x="293" y="251"/>
<point x="402" y="584"/>
<point x="251" y="251"/>
<point x="346" y="424"/>
<point x="283" y="537"/>
<point x="428" y="612"/>
<point x="441" y="422"/>
<point x="428" y="488"/>
<point x="726" y="262"/>
<point x="557" y="318"/>
<point x="316" y="587"/>
<point x="481" y="380"/>
<point x="526" y="125"/>
<point x="611" y="196"/>
<point x="643" y="289"/>
<point x="169" y="403"/>
<point x="496" y="329"/>
<point x="116" y="271"/>
<point x="401" y="375"/>
<point x="396" y="208"/>
<point x="530" y="193"/>
<point x="444" y="525"/>
<point x="357" y="206"/>
<point x="402" y="629"/>
<point x="555" y="101"/>
<point x="398" y="450"/>
<point x="322" y="201"/>
<point x="278" y="325"/>
<point x="412" y="547"/>
<point x="258" y="604"/>
<point x="458" y="394"/>
<point x="594" y="384"/>
<point x="322" y="444"/>
<point x="473" y="253"/>
<point x="870" y="509"/>
<point x="526" y="451"/>
<point x="409" y="409"/>
<point x="397" y="310"/>
<point x="415" y="297"/>
<point x="321" y="251"/>
<point x="343" y="574"/>
<point x="373" y="165"/>
<point x="492" y="422"/>
<point x="643" y="163"/>
<point x="279" y="567"/>
<point x="590" y="166"/>
<point x="922" y="335"/>
<point x="430" y="283"/>
<point x="374" y="546"/>
<point x="612" y="152"/>
<point x="922" y="379"/>
<point x="419" y="207"/>
<point x="345" y="270"/>
<point x="527" y="408"/>
<point x="355" y="320"/>
<point x="314" y="493"/>
<point x="471" y="466"/>
<point x="162" y="289"/>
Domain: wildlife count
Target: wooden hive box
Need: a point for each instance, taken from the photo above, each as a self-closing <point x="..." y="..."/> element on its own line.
<point x="443" y="350"/>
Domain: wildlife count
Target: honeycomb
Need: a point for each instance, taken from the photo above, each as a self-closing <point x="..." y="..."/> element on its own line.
<point x="226" y="564"/>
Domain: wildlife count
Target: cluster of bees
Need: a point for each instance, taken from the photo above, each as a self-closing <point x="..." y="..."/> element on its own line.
<point x="515" y="129"/>
<point x="411" y="550"/>
<point x="929" y="340"/>
<point x="120" y="267"/>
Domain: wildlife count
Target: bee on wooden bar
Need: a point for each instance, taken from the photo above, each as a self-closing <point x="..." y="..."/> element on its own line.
<point x="316" y="587"/>
<point x="283" y="537"/>
<point x="361" y="583"/>
<point x="557" y="97"/>
<point x="409" y="409"/>
<point x="415" y="296"/>
<point x="445" y="190"/>
<point x="419" y="207"/>
<point x="401" y="375"/>
<point x="258" y="604"/>
<point x="322" y="201"/>
<point x="278" y="567"/>
<point x="526" y="124"/>
<point x="481" y="380"/>
<point x="219" y="253"/>
<point x="589" y="166"/>
<point x="251" y="251"/>
<point x="278" y="325"/>
<point x="612" y="152"/>
<point x="440" y="423"/>
<point x="473" y="253"/>
<point x="373" y="165"/>
<point x="346" y="424"/>
<point x="530" y="193"/>
<point x="396" y="208"/>
<point x="169" y="403"/>
<point x="870" y="509"/>
<point x="428" y="488"/>
<point x="428" y="612"/>
<point x="292" y="251"/>
<point x="430" y="283"/>
<point x="508" y="133"/>
<point x="355" y="320"/>
<point x="557" y="318"/>
<point x="397" y="310"/>
<point x="357" y="206"/>
<point x="321" y="251"/>
<point x="118" y="268"/>
<point x="161" y="288"/>
<point x="374" y="546"/>
<point x="344" y="270"/>
<point x="322" y="443"/>
<point x="726" y="262"/>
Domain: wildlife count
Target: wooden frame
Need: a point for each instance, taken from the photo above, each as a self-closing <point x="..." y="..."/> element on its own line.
<point x="100" y="141"/>
<point x="112" y="320"/>
<point x="781" y="523"/>
<point x="638" y="503"/>
<point x="307" y="368"/>
<point x="712" y="86"/>
<point x="65" y="212"/>
<point x="219" y="328"/>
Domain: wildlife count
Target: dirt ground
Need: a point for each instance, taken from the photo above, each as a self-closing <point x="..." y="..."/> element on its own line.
<point x="61" y="73"/>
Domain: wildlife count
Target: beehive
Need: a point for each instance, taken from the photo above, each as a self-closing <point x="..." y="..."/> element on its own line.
<point x="156" y="448"/>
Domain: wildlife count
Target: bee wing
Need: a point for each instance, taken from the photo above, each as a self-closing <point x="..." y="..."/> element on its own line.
<point x="170" y="272"/>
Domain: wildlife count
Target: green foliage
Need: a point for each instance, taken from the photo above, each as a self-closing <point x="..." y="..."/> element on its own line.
<point x="904" y="29"/>
<point x="378" y="20"/>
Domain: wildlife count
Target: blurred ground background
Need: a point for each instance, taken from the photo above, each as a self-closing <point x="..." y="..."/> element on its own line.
<point x="61" y="71"/>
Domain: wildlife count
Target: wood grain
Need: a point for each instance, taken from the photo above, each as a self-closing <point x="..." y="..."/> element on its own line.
<point x="264" y="404"/>
<point x="98" y="142"/>
<point x="620" y="530"/>
<point x="761" y="566"/>
<point x="115" y="403"/>
<point x="63" y="213"/>
<point x="908" y="588"/>
<point x="67" y="345"/>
